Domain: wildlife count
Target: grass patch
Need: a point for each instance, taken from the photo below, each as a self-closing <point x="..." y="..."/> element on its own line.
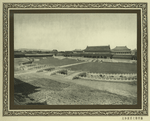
<point x="105" y="67"/>
<point x="56" y="62"/>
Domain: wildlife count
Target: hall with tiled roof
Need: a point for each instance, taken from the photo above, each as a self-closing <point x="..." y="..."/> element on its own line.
<point x="121" y="50"/>
<point x="98" y="51"/>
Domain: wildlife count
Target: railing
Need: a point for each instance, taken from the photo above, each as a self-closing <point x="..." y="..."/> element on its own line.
<point x="111" y="77"/>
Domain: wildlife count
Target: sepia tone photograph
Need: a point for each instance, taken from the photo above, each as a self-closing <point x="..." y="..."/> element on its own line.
<point x="75" y="59"/>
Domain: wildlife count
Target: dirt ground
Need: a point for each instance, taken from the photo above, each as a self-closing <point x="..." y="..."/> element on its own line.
<point x="40" y="89"/>
<point x="56" y="90"/>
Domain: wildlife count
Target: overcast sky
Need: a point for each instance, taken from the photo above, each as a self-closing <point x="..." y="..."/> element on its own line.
<point x="74" y="31"/>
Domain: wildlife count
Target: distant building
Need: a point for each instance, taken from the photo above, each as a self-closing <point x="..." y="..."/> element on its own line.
<point x="97" y="52"/>
<point x="77" y="53"/>
<point x="55" y="51"/>
<point x="68" y="53"/>
<point x="134" y="53"/>
<point x="60" y="53"/>
<point x="121" y="52"/>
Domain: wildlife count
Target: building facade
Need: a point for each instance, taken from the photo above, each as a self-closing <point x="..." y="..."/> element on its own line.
<point x="121" y="52"/>
<point x="134" y="53"/>
<point x="97" y="52"/>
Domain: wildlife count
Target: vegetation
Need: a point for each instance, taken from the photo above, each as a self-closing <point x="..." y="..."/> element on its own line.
<point x="40" y="89"/>
<point x="106" y="67"/>
<point x="56" y="62"/>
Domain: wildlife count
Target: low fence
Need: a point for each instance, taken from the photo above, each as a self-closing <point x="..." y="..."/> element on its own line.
<point x="32" y="67"/>
<point x="110" y="77"/>
<point x="116" y="74"/>
<point x="103" y="60"/>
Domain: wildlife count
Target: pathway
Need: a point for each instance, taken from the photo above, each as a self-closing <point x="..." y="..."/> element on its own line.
<point x="34" y="71"/>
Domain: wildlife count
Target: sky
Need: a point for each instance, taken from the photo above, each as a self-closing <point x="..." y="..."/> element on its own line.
<point x="69" y="31"/>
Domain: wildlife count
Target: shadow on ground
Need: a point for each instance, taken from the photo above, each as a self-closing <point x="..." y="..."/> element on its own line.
<point x="21" y="92"/>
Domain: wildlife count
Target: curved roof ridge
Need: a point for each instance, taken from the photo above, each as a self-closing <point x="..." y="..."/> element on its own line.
<point x="99" y="46"/>
<point x="121" y="49"/>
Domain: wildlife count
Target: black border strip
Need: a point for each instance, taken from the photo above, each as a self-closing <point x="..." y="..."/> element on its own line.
<point x="139" y="82"/>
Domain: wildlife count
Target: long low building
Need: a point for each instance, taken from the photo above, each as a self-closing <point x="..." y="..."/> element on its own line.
<point x="98" y="52"/>
<point x="90" y="52"/>
<point x="119" y="52"/>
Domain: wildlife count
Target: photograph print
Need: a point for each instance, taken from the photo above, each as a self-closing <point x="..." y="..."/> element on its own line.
<point x="75" y="58"/>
